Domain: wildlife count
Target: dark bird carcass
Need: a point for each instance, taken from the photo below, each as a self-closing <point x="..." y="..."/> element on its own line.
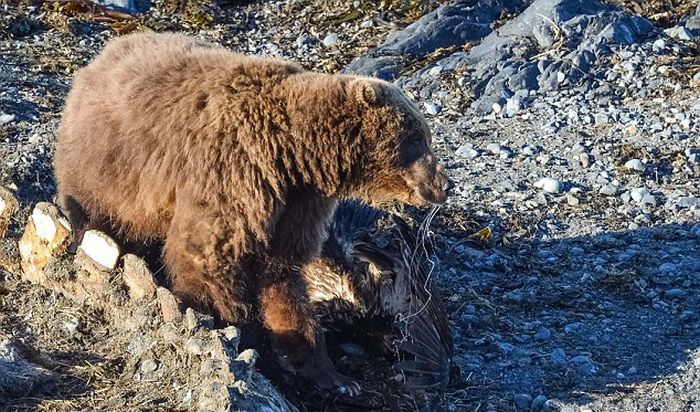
<point x="384" y="275"/>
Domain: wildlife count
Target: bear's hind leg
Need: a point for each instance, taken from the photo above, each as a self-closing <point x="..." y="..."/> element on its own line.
<point x="199" y="272"/>
<point x="289" y="317"/>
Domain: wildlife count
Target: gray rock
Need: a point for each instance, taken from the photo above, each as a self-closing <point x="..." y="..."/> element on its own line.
<point x="679" y="33"/>
<point x="6" y="118"/>
<point x="543" y="334"/>
<point x="330" y="40"/>
<point x="467" y="151"/>
<point x="558" y="357"/>
<point x="695" y="230"/>
<point x="635" y="164"/>
<point x="17" y="375"/>
<point x="431" y="108"/>
<point x="522" y="401"/>
<point x="449" y="25"/>
<point x="125" y="5"/>
<point x="601" y="118"/>
<point x="584" y="365"/>
<point x="608" y="190"/>
<point x="639" y="194"/>
<point x="550" y="185"/>
<point x="538" y="403"/>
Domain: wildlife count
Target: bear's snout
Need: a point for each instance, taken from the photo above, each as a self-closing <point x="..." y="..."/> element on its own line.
<point x="430" y="183"/>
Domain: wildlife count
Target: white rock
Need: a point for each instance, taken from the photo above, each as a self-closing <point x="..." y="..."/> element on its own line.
<point x="44" y="224"/>
<point x="635" y="164"/>
<point x="465" y="151"/>
<point x="6" y="118"/>
<point x="497" y="108"/>
<point x="679" y="33"/>
<point x="100" y="248"/>
<point x="608" y="190"/>
<point x="431" y="108"/>
<point x="638" y="194"/>
<point x="550" y="185"/>
<point x="494" y="148"/>
<point x="435" y="71"/>
<point x="330" y="40"/>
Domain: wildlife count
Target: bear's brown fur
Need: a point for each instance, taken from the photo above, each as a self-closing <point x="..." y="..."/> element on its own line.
<point x="235" y="163"/>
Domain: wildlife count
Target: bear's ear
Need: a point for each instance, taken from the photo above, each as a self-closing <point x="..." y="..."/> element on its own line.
<point x="365" y="92"/>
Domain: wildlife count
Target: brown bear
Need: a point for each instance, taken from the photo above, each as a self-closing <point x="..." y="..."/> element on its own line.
<point x="236" y="164"/>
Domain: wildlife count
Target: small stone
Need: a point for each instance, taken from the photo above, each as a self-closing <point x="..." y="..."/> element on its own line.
<point x="572" y="200"/>
<point x="522" y="401"/>
<point x="169" y="307"/>
<point x="543" y="334"/>
<point x="6" y="118"/>
<point x="550" y="185"/>
<point x="674" y="293"/>
<point x="608" y="190"/>
<point x="148" y="366"/>
<point x="467" y="151"/>
<point x="431" y="108"/>
<point x="138" y="278"/>
<point x="494" y="148"/>
<point x="679" y="33"/>
<point x="538" y="403"/>
<point x="303" y="40"/>
<point x="497" y="107"/>
<point x="330" y="40"/>
<point x="584" y="365"/>
<point x="635" y="164"/>
<point x="530" y="150"/>
<point x="659" y="44"/>
<point x="601" y="118"/>
<point x="435" y="71"/>
<point x="100" y="248"/>
<point x="585" y="160"/>
<point x="638" y="194"/>
<point x="558" y="356"/>
<point x="695" y="231"/>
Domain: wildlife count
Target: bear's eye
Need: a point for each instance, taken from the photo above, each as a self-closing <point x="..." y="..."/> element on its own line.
<point x="413" y="148"/>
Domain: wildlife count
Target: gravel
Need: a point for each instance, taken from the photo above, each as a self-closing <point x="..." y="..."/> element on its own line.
<point x="568" y="247"/>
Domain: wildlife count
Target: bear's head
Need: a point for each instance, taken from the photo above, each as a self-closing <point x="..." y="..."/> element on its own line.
<point x="397" y="162"/>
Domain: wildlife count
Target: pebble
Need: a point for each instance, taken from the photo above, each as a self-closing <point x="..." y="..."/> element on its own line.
<point x="558" y="357"/>
<point x="467" y="151"/>
<point x="538" y="403"/>
<point x="431" y="108"/>
<point x="435" y="71"/>
<point x="543" y="334"/>
<point x="679" y="33"/>
<point x="522" y="401"/>
<point x="149" y="365"/>
<point x="550" y="185"/>
<point x="330" y="40"/>
<point x="6" y="118"/>
<point x="585" y="160"/>
<point x="638" y="194"/>
<point x="601" y="118"/>
<point x="494" y="148"/>
<point x="635" y="164"/>
<point x="608" y="190"/>
<point x="695" y="231"/>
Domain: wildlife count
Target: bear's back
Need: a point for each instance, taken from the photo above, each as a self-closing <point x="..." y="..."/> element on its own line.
<point x="145" y="115"/>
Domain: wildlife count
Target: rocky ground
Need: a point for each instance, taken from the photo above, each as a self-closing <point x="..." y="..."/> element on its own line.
<point x="570" y="247"/>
